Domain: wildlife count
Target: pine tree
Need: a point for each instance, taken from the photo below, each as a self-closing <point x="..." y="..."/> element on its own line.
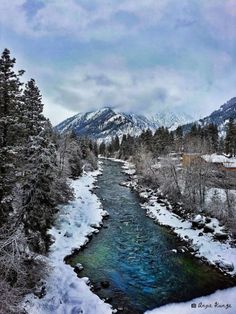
<point x="10" y="128"/>
<point x="179" y="138"/>
<point x="230" y="138"/>
<point x="31" y="110"/>
<point x="212" y="137"/>
<point x="102" y="149"/>
<point x="40" y="186"/>
<point x="116" y="144"/>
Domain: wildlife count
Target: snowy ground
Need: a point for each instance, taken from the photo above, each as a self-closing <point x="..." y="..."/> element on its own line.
<point x="66" y="293"/>
<point x="219" y="193"/>
<point x="222" y="301"/>
<point x="215" y="252"/>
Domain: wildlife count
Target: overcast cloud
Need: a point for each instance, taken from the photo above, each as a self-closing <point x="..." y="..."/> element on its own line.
<point x="140" y="56"/>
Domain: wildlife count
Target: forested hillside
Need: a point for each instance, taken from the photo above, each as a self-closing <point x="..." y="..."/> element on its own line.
<point x="35" y="165"/>
<point x="195" y="170"/>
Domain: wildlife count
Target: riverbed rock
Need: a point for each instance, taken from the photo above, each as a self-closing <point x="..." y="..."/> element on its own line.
<point x="208" y="228"/>
<point x="198" y="222"/>
<point x="182" y="249"/>
<point x="90" y="235"/>
<point x="96" y="226"/>
<point x="78" y="268"/>
<point x="105" y="214"/>
<point x="221" y="236"/>
<point x="124" y="183"/>
<point x="86" y="280"/>
<point x="96" y="287"/>
<point x="40" y="292"/>
<point x="225" y="265"/>
<point x="208" y="220"/>
<point x="68" y="234"/>
<point x="105" y="284"/>
<point x="96" y="231"/>
<point x="120" y="309"/>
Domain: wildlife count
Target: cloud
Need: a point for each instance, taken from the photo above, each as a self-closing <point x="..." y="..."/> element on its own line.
<point x="220" y="17"/>
<point x="91" y="86"/>
<point x="135" y="55"/>
<point x="104" y="20"/>
<point x="148" y="90"/>
<point x="108" y="20"/>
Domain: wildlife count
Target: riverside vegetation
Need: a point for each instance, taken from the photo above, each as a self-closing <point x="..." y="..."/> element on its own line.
<point x="195" y="186"/>
<point x="35" y="164"/>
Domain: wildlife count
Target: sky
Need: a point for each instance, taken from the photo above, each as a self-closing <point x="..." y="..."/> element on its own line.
<point x="142" y="56"/>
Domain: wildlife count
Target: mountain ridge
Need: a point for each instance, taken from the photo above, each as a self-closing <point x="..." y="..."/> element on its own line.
<point x="105" y="123"/>
<point x="218" y="117"/>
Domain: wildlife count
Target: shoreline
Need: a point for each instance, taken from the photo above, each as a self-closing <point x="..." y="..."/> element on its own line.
<point x="74" y="226"/>
<point x="220" y="255"/>
<point x="79" y="285"/>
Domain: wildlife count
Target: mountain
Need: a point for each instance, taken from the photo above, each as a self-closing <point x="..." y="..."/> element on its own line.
<point x="219" y="117"/>
<point x="106" y="123"/>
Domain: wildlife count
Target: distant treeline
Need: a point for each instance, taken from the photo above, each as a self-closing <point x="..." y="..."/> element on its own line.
<point x="200" y="139"/>
<point x="195" y="186"/>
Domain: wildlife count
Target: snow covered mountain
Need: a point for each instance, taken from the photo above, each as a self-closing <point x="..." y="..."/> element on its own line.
<point x="219" y="117"/>
<point x="106" y="123"/>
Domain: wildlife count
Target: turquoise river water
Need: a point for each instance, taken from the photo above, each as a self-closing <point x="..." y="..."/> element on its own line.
<point x="134" y="255"/>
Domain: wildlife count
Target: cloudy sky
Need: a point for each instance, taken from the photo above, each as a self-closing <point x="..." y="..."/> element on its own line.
<point x="134" y="55"/>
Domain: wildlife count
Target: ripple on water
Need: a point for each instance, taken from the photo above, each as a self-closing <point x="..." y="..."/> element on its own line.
<point x="135" y="255"/>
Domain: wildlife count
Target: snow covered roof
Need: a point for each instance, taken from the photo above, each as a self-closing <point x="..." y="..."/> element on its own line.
<point x="229" y="165"/>
<point x="214" y="158"/>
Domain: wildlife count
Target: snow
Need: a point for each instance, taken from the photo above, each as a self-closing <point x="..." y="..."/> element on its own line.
<point x="119" y="123"/>
<point x="222" y="301"/>
<point x="215" y="158"/>
<point x="198" y="218"/>
<point x="66" y="293"/>
<point x="230" y="164"/>
<point x="215" y="252"/>
<point x="205" y="245"/>
<point x="220" y="254"/>
<point x="220" y="193"/>
<point x="129" y="168"/>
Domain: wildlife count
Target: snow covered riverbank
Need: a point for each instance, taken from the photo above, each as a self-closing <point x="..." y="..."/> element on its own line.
<point x="65" y="292"/>
<point x="216" y="253"/>
<point x="204" y="245"/>
<point x="222" y="301"/>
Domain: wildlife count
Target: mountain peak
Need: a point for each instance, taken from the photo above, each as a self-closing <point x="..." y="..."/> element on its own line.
<point x="218" y="117"/>
<point x="105" y="123"/>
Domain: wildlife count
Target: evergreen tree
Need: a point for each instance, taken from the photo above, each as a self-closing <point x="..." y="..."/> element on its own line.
<point x="179" y="138"/>
<point x="116" y="144"/>
<point x="31" y="110"/>
<point x="10" y="104"/>
<point x="102" y="149"/>
<point x="230" y="138"/>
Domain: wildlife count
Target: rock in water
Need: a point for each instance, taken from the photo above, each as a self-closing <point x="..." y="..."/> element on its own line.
<point x="105" y="284"/>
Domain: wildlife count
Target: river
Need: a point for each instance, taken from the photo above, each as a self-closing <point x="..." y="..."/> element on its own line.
<point x="135" y="255"/>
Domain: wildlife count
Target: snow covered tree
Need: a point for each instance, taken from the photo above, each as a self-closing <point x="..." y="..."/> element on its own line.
<point x="212" y="136"/>
<point x="179" y="139"/>
<point x="230" y="138"/>
<point x="31" y="110"/>
<point x="10" y="128"/>
<point x="102" y="148"/>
